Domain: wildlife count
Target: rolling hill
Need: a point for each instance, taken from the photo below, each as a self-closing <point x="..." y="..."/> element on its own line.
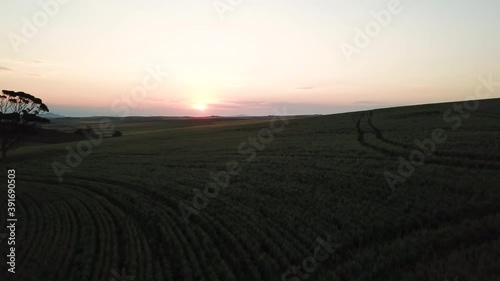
<point x="406" y="193"/>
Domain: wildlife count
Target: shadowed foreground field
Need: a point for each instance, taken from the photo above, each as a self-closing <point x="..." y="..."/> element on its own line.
<point x="323" y="182"/>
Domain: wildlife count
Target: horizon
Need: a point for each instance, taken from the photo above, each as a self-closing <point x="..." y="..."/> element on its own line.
<point x="246" y="115"/>
<point x="203" y="59"/>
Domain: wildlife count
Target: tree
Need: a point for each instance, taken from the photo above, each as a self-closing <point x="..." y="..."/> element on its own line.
<point x="18" y="118"/>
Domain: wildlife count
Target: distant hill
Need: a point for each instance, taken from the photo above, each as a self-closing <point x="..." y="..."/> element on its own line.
<point x="49" y="115"/>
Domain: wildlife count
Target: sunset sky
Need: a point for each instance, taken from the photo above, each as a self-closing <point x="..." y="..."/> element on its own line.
<point x="91" y="54"/>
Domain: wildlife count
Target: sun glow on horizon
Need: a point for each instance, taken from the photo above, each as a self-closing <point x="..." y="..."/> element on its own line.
<point x="200" y="106"/>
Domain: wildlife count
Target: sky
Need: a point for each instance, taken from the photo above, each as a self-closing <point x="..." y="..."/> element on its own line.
<point x="230" y="57"/>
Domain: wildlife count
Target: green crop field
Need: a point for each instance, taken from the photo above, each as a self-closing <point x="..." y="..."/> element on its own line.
<point x="408" y="193"/>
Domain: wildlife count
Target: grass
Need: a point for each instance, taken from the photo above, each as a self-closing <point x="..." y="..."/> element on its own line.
<point x="120" y="207"/>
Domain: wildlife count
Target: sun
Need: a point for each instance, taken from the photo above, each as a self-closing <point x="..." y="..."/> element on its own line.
<point x="200" y="106"/>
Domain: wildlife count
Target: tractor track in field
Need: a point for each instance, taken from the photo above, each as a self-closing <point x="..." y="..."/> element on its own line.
<point x="461" y="160"/>
<point x="471" y="156"/>
<point x="279" y="242"/>
<point x="208" y="229"/>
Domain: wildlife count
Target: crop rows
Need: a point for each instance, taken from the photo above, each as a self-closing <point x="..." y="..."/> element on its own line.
<point x="322" y="177"/>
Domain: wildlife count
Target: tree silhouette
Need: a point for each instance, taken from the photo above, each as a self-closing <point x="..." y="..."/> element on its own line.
<point x="18" y="118"/>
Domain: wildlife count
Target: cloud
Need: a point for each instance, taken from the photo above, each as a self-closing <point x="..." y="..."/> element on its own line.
<point x="365" y="102"/>
<point x="223" y="105"/>
<point x="244" y="104"/>
<point x="5" y="69"/>
<point x="161" y="98"/>
<point x="305" y="88"/>
<point x="34" y="74"/>
<point x="420" y="86"/>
